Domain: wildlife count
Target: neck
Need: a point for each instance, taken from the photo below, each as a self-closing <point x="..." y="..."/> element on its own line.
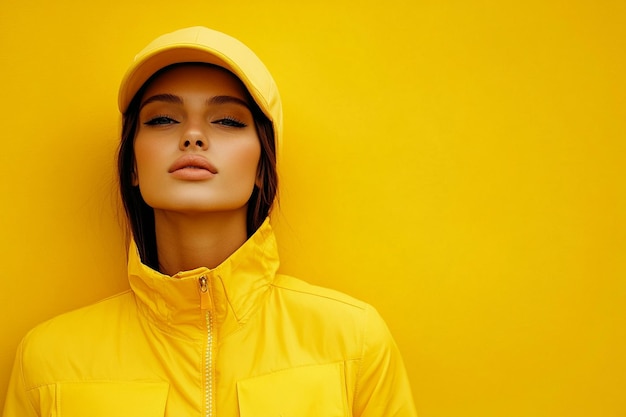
<point x="187" y="241"/>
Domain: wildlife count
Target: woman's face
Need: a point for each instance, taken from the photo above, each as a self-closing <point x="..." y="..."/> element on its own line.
<point x="196" y="148"/>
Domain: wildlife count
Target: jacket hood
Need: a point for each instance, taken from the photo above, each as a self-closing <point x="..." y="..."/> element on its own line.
<point x="203" y="45"/>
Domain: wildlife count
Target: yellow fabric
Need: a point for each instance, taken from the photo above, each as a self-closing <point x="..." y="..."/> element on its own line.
<point x="280" y="347"/>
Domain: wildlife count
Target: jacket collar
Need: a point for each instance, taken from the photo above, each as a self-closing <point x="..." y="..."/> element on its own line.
<point x="236" y="288"/>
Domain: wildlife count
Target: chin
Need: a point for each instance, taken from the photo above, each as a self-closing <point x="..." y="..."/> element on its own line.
<point x="198" y="207"/>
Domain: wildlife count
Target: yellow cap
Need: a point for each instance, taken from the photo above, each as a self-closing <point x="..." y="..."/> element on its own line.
<point x="200" y="44"/>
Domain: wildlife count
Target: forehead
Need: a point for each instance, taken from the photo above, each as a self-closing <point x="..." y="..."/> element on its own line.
<point x="196" y="78"/>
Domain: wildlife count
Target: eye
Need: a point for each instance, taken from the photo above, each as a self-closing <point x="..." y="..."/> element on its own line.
<point x="160" y="120"/>
<point x="230" y="121"/>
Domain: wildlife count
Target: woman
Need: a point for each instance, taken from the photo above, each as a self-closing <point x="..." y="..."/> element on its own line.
<point x="208" y="328"/>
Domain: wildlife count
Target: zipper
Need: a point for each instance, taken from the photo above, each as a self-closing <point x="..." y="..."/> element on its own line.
<point x="205" y="305"/>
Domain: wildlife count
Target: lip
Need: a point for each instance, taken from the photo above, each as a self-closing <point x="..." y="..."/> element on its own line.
<point x="192" y="167"/>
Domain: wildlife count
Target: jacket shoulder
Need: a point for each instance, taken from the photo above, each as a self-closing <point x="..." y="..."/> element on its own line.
<point x="335" y="311"/>
<point x="70" y="335"/>
<point x="359" y="331"/>
<point x="302" y="289"/>
<point x="66" y="324"/>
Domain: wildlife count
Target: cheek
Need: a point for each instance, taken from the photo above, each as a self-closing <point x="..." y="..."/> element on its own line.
<point x="145" y="157"/>
<point x="249" y="161"/>
<point x="240" y="158"/>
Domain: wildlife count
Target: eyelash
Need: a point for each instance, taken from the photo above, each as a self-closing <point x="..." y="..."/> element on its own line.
<point x="230" y="121"/>
<point x="159" y="120"/>
<point x="227" y="121"/>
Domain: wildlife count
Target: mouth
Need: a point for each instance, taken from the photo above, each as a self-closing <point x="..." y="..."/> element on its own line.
<point x="192" y="163"/>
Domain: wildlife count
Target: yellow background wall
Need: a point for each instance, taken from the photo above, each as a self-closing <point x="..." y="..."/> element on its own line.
<point x="460" y="165"/>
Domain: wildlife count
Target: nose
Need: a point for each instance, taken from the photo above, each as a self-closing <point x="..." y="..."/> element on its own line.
<point x="194" y="140"/>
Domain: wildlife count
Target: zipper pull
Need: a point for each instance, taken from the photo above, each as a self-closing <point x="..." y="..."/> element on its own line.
<point x="205" y="298"/>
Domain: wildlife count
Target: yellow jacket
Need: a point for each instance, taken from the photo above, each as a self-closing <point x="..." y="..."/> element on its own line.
<point x="235" y="340"/>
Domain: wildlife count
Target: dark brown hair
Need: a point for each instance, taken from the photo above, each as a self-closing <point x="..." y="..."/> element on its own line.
<point x="141" y="216"/>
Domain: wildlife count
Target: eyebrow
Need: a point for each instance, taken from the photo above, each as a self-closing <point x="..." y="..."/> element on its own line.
<point x="228" y="99"/>
<point x="168" y="98"/>
<point x="171" y="98"/>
